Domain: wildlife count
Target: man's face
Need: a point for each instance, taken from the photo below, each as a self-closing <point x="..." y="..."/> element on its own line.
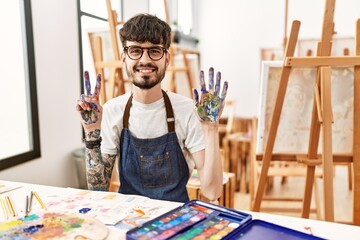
<point x="145" y="72"/>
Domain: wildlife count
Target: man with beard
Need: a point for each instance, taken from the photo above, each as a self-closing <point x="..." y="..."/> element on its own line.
<point x="157" y="136"/>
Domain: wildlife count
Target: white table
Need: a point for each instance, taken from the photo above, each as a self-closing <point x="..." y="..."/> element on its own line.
<point x="322" y="229"/>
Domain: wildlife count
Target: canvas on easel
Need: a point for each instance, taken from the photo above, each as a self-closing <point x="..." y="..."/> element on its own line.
<point x="340" y="46"/>
<point x="295" y="120"/>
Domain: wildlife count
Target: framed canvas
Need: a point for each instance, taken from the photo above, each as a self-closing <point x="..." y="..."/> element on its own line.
<point x="295" y="119"/>
<point x="271" y="54"/>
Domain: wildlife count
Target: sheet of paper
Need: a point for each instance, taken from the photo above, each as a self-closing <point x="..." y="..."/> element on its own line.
<point x="8" y="186"/>
<point x="144" y="211"/>
<point x="108" y="207"/>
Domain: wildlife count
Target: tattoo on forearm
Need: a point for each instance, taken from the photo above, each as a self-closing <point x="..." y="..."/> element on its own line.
<point x="93" y="134"/>
<point x="99" y="168"/>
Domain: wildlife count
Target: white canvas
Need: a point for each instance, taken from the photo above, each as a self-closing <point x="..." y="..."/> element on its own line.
<point x="295" y="120"/>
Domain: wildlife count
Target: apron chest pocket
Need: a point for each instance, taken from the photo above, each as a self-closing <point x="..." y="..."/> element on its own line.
<point x="156" y="171"/>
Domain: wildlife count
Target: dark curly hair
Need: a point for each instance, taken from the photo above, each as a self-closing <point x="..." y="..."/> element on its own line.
<point x="146" y="28"/>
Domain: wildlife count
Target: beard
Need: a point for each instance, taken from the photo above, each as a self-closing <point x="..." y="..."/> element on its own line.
<point x="146" y="82"/>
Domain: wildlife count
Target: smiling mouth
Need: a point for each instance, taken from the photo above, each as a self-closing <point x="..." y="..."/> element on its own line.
<point x="145" y="70"/>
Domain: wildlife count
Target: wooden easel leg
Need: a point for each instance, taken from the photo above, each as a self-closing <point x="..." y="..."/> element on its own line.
<point x="112" y="83"/>
<point x="356" y="146"/>
<point x="327" y="155"/>
<point x="317" y="201"/>
<point x="103" y="98"/>
<point x="350" y="178"/>
<point x="309" y="182"/>
<point x="172" y="84"/>
<point x="234" y="146"/>
<point x="253" y="163"/>
<point x="98" y="57"/>
<point x="323" y="49"/>
<point x="119" y="82"/>
<point x="316" y="118"/>
<point x="242" y="165"/>
<point x="290" y="49"/>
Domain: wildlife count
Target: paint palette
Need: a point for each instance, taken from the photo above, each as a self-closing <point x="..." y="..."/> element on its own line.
<point x="201" y="220"/>
<point x="53" y="225"/>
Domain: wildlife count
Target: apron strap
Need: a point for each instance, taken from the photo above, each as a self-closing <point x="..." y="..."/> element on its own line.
<point x="170" y="119"/>
<point x="127" y="112"/>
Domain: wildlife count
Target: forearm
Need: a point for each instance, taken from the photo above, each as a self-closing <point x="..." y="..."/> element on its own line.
<point x="212" y="174"/>
<point x="98" y="166"/>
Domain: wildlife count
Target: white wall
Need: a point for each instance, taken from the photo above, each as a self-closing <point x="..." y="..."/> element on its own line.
<point x="231" y="34"/>
<point x="132" y="7"/>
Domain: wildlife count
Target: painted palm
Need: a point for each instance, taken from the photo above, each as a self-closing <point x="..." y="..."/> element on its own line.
<point x="210" y="105"/>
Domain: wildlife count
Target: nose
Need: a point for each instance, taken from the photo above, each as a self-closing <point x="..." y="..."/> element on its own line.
<point x="145" y="56"/>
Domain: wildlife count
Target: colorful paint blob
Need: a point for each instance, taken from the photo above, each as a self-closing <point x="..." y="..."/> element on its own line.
<point x="50" y="225"/>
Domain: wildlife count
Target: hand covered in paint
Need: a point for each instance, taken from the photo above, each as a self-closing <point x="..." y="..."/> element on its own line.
<point x="210" y="105"/>
<point x="88" y="106"/>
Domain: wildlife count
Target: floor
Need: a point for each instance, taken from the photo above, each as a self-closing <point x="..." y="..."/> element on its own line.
<point x="295" y="187"/>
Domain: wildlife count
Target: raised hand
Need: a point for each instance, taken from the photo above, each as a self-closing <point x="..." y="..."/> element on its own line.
<point x="88" y="106"/>
<point x="210" y="105"/>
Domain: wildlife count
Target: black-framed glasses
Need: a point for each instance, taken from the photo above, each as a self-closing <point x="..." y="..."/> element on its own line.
<point x="136" y="52"/>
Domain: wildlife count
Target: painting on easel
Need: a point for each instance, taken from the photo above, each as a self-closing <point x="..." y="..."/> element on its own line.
<point x="295" y="121"/>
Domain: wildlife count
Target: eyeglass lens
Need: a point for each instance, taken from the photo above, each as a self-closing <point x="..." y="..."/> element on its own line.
<point x="136" y="52"/>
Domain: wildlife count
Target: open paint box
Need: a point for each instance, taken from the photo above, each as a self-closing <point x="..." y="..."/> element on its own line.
<point x="201" y="220"/>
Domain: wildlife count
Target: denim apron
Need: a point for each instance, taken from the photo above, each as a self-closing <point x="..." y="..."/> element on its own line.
<point x="156" y="167"/>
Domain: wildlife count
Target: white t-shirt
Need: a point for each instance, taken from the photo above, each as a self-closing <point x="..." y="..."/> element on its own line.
<point x="149" y="121"/>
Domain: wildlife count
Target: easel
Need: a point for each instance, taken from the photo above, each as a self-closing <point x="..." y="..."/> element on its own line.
<point x="116" y="76"/>
<point x="114" y="85"/>
<point x="321" y="116"/>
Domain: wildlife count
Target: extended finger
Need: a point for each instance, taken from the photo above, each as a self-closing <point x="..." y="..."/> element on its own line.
<point x="195" y="96"/>
<point x="217" y="85"/>
<point x="211" y="79"/>
<point x="202" y="82"/>
<point x="87" y="83"/>
<point x="97" y="87"/>
<point x="224" y="92"/>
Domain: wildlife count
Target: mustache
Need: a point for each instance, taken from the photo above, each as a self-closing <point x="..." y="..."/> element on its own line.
<point x="145" y="65"/>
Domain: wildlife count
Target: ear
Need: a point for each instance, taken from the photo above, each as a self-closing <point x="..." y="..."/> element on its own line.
<point x="167" y="59"/>
<point x="122" y="57"/>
